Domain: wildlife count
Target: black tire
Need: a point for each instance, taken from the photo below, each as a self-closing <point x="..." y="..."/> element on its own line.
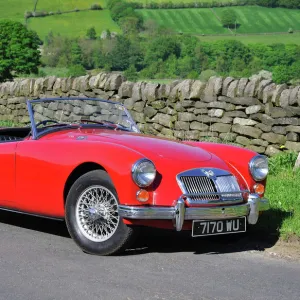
<point x="123" y="234"/>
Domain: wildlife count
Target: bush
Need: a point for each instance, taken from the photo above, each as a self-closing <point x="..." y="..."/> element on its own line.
<point x="290" y="30"/>
<point x="95" y="7"/>
<point x="76" y="70"/>
<point x="282" y="161"/>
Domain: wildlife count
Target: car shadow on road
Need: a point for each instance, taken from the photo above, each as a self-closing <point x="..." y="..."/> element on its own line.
<point x="258" y="238"/>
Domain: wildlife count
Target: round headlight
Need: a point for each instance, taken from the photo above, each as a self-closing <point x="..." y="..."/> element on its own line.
<point x="259" y="167"/>
<point x="143" y="172"/>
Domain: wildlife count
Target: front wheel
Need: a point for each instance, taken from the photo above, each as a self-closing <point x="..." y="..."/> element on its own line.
<point x="92" y="215"/>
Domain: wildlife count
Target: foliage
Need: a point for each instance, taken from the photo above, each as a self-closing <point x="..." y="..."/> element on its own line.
<point x="282" y="161"/>
<point x="96" y="6"/>
<point x="228" y="18"/>
<point x="76" y="70"/>
<point x="18" y="50"/>
<point x="131" y="73"/>
<point x="91" y="33"/>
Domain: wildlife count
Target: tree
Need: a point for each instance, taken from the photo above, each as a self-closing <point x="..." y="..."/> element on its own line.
<point x="228" y="18"/>
<point x="19" y="52"/>
<point x="91" y="33"/>
<point x="281" y="74"/>
<point x="76" y="54"/>
<point x="131" y="73"/>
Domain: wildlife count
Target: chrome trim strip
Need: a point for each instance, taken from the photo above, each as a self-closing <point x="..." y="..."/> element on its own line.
<point x="179" y="212"/>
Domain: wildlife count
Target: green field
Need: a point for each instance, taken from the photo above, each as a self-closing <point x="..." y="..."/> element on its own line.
<point x="174" y="1"/>
<point x="65" y="5"/>
<point x="73" y="24"/>
<point x="262" y="39"/>
<point x="15" y="9"/>
<point x="252" y="19"/>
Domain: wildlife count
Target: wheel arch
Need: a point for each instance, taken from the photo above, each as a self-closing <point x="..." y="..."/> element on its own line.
<point x="80" y="170"/>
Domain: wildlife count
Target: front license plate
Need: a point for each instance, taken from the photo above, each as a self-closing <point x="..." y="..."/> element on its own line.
<point x="214" y="227"/>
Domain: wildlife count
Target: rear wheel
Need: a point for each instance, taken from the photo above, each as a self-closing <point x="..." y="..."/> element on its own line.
<point x="92" y="215"/>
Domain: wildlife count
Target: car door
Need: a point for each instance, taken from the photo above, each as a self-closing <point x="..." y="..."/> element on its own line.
<point x="7" y="174"/>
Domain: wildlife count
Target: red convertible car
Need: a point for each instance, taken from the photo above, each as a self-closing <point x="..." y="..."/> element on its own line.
<point x="84" y="161"/>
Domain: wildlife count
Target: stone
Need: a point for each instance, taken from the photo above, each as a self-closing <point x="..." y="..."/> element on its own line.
<point x="198" y="126"/>
<point x="259" y="142"/>
<point x="159" y="104"/>
<point x="251" y="87"/>
<point x="277" y="93"/>
<point x="222" y="105"/>
<point x="138" y="117"/>
<point x="241" y="86"/>
<point x="287" y="121"/>
<point x="139" y="106"/>
<point x="149" y="92"/>
<point x="293" y="95"/>
<point x="235" y="113"/>
<point x="136" y="91"/>
<point x="253" y="109"/>
<point x="187" y="103"/>
<point x="293" y="128"/>
<point x="279" y="129"/>
<point x="163" y="91"/>
<point x="164" y="120"/>
<point x="292" y="146"/>
<point x="185" y="116"/>
<point x="277" y="112"/>
<point x="129" y="103"/>
<point x="220" y="127"/>
<point x="149" y="111"/>
<point x="245" y="101"/>
<point x="199" y="104"/>
<point x="274" y="138"/>
<point x="267" y="120"/>
<point x="243" y="140"/>
<point x="192" y="135"/>
<point x="200" y="111"/>
<point x="216" y="113"/>
<point x="268" y="93"/>
<point x="232" y="89"/>
<point x="184" y="89"/>
<point x="180" y="125"/>
<point x="292" y="111"/>
<point x="228" y="137"/>
<point x="197" y="89"/>
<point x="284" y="98"/>
<point x="292" y="136"/>
<point x="257" y="149"/>
<point x="179" y="134"/>
<point x="271" y="151"/>
<point x="214" y="86"/>
<point x="261" y="86"/>
<point x="89" y="109"/>
<point x="244" y="122"/>
<point x="114" y="82"/>
<point x="125" y="90"/>
<point x="247" y="130"/>
<point x="49" y="82"/>
<point x="226" y="84"/>
<point x="167" y="132"/>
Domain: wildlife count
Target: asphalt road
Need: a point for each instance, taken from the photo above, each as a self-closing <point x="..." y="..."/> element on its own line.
<point x="38" y="260"/>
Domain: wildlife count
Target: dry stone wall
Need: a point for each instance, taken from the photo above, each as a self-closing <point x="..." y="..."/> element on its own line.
<point x="254" y="113"/>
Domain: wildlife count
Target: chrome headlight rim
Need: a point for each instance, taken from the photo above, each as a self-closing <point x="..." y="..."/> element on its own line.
<point x="253" y="168"/>
<point x="136" y="176"/>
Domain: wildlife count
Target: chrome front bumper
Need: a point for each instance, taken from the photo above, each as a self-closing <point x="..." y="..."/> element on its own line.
<point x="179" y="213"/>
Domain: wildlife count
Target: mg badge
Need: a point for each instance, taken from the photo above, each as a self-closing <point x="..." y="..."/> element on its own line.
<point x="209" y="173"/>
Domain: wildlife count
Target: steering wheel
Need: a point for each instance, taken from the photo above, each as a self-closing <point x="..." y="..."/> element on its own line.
<point x="45" y="122"/>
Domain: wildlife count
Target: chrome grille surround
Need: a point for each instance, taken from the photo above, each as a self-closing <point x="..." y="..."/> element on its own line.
<point x="210" y="186"/>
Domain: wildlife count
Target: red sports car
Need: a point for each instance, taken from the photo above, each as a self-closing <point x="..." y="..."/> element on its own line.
<point x="85" y="161"/>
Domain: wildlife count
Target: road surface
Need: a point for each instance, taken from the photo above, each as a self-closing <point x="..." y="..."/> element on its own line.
<point x="38" y="260"/>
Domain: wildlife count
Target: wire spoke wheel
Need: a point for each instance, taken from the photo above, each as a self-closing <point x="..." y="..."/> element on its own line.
<point x="97" y="213"/>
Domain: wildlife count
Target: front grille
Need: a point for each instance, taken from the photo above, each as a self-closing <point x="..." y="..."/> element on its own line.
<point x="200" y="184"/>
<point x="205" y="185"/>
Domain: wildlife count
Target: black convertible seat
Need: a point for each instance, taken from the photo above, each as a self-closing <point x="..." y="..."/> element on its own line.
<point x="4" y="138"/>
<point x="13" y="134"/>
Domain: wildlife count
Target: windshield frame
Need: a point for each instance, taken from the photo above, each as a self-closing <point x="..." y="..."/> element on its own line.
<point x="36" y="135"/>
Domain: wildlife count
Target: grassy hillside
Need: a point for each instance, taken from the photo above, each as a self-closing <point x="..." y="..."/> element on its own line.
<point x="73" y="24"/>
<point x="174" y="1"/>
<point x="252" y="19"/>
<point x="15" y="9"/>
<point x="64" y="5"/>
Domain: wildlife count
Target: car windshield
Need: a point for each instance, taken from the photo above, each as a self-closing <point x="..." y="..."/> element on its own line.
<point x="55" y="114"/>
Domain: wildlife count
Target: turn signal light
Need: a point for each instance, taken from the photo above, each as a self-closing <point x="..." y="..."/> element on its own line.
<point x="259" y="188"/>
<point x="142" y="196"/>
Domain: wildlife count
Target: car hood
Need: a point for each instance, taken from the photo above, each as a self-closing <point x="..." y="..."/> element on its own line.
<point x="152" y="147"/>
